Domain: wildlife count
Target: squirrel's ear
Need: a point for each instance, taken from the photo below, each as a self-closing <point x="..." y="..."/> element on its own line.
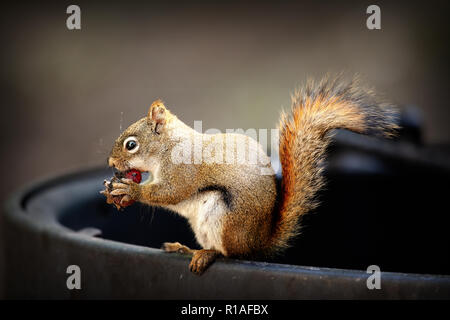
<point x="157" y="115"/>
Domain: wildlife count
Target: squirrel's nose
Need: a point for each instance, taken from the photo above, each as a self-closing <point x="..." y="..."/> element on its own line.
<point x="110" y="162"/>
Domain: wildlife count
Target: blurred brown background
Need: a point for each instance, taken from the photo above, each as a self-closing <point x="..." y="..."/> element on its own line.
<point x="66" y="94"/>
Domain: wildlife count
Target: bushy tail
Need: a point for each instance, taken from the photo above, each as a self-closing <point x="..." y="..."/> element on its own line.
<point x="316" y="109"/>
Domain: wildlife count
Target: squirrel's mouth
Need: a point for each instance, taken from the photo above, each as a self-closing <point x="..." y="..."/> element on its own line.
<point x="138" y="176"/>
<point x="146" y="177"/>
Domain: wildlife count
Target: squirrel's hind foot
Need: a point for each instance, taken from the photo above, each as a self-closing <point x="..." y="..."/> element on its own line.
<point x="176" y="247"/>
<point x="202" y="259"/>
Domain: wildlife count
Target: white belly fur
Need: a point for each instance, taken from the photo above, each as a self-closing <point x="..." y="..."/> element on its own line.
<point x="205" y="212"/>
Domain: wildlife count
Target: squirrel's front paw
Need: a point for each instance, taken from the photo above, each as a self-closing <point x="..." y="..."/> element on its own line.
<point x="110" y="199"/>
<point x="127" y="189"/>
<point x="121" y="193"/>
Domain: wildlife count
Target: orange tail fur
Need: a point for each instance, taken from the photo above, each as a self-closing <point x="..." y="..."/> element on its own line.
<point x="304" y="136"/>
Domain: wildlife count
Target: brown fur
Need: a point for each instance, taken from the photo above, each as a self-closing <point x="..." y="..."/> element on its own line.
<point x="252" y="224"/>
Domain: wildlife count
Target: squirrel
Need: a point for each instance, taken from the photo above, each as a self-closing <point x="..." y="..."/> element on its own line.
<point x="233" y="209"/>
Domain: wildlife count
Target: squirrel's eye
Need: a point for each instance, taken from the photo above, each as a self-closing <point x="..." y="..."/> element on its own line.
<point x="131" y="144"/>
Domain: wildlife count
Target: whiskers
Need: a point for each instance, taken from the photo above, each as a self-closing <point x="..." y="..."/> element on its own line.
<point x="121" y="122"/>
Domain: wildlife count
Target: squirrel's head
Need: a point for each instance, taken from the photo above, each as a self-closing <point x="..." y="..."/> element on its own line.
<point x="143" y="143"/>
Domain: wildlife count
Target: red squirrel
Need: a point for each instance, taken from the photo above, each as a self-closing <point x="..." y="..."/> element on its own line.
<point x="233" y="208"/>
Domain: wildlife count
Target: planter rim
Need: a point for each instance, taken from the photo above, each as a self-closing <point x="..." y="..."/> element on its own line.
<point x="15" y="211"/>
<point x="14" y="208"/>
